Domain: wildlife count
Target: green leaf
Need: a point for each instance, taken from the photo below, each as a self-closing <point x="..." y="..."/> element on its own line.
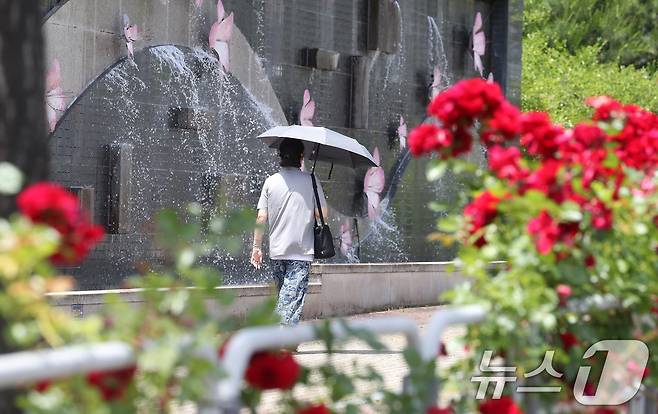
<point x="352" y="409"/>
<point x="438" y="207"/>
<point x="159" y="359"/>
<point x="324" y="333"/>
<point x="449" y="224"/>
<point x="341" y="386"/>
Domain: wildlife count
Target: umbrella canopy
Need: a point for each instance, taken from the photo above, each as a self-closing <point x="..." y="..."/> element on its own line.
<point x="333" y="147"/>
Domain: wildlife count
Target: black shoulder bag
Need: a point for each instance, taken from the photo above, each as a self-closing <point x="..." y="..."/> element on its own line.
<point x="323" y="240"/>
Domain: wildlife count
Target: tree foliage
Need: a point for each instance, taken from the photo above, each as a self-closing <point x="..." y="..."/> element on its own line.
<point x="558" y="82"/>
<point x="626" y="30"/>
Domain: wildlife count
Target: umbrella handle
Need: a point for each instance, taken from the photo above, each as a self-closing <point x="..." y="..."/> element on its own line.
<point x="315" y="158"/>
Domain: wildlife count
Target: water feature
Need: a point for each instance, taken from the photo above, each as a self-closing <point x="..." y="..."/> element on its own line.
<point x="437" y="57"/>
<point x="210" y="151"/>
<point x="380" y="238"/>
<point x="217" y="153"/>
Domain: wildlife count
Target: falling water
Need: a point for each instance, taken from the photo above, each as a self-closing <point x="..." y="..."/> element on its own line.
<point x="395" y="65"/>
<point x="381" y="234"/>
<point x="221" y="149"/>
<point x="436" y="53"/>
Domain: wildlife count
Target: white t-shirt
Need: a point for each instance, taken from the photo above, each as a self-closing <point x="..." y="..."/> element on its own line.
<point x="290" y="203"/>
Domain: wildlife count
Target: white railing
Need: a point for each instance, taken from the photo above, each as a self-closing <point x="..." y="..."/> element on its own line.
<point x="223" y="397"/>
<point x="22" y="368"/>
<point x="226" y="393"/>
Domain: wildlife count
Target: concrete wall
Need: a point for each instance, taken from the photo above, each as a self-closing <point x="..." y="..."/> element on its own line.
<point x="334" y="290"/>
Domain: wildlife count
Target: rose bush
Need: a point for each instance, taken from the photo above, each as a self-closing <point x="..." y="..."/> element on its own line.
<point x="569" y="214"/>
<point x="180" y="317"/>
<point x="556" y="218"/>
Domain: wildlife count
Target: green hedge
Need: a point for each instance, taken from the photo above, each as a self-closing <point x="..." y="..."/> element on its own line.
<point x="558" y="82"/>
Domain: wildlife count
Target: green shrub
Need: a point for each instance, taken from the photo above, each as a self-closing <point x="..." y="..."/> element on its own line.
<point x="558" y="82"/>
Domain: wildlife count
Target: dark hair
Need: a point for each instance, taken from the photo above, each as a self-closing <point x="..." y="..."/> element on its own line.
<point x="290" y="151"/>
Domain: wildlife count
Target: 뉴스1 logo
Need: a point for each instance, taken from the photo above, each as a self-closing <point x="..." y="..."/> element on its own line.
<point x="620" y="380"/>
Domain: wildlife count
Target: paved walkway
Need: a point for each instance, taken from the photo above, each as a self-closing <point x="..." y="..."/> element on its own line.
<point x="354" y="354"/>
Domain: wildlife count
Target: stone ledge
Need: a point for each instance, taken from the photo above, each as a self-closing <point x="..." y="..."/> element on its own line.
<point x="334" y="290"/>
<point x="332" y="268"/>
<point x="96" y="297"/>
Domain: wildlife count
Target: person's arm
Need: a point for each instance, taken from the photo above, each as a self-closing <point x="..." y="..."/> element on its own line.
<point x="325" y="213"/>
<point x="256" y="251"/>
<point x="323" y="202"/>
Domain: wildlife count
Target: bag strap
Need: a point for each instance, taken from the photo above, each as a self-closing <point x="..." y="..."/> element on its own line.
<point x="317" y="200"/>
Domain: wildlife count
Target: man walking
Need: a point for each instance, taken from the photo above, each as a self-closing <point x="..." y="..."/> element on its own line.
<point x="287" y="203"/>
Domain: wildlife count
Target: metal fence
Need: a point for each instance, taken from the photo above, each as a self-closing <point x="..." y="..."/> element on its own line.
<point x="223" y="396"/>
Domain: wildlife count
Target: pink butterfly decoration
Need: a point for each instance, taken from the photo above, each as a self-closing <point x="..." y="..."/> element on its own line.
<point x="54" y="94"/>
<point x="346" y="237"/>
<point x="307" y="112"/>
<point x="436" y="83"/>
<point x="402" y="134"/>
<point x="479" y="43"/>
<point x="373" y="185"/>
<point x="490" y="78"/>
<point x="131" y="34"/>
<point x="220" y="34"/>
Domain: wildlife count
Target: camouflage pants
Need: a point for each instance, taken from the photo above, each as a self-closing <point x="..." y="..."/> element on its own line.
<point x="291" y="278"/>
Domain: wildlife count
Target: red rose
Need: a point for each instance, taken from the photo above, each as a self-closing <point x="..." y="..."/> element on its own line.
<point x="50" y="204"/>
<point x="504" y="126"/>
<point x="539" y="135"/>
<point x="77" y="243"/>
<point x="590" y="261"/>
<point x="112" y="384"/>
<point x="568" y="232"/>
<point x="565" y="192"/>
<point x="503" y="405"/>
<point x="462" y="141"/>
<point x="313" y="409"/>
<point x="638" y="141"/>
<point x="426" y="138"/>
<point x="465" y="101"/>
<point x="569" y="340"/>
<point x="544" y="179"/>
<point x="563" y="292"/>
<point x="545" y="231"/>
<point x="604" y="108"/>
<point x="480" y="212"/>
<point x="438" y="410"/>
<point x="269" y="370"/>
<point x="601" y="215"/>
<point x="504" y="162"/>
<point x="588" y="136"/>
<point x="42" y="386"/>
